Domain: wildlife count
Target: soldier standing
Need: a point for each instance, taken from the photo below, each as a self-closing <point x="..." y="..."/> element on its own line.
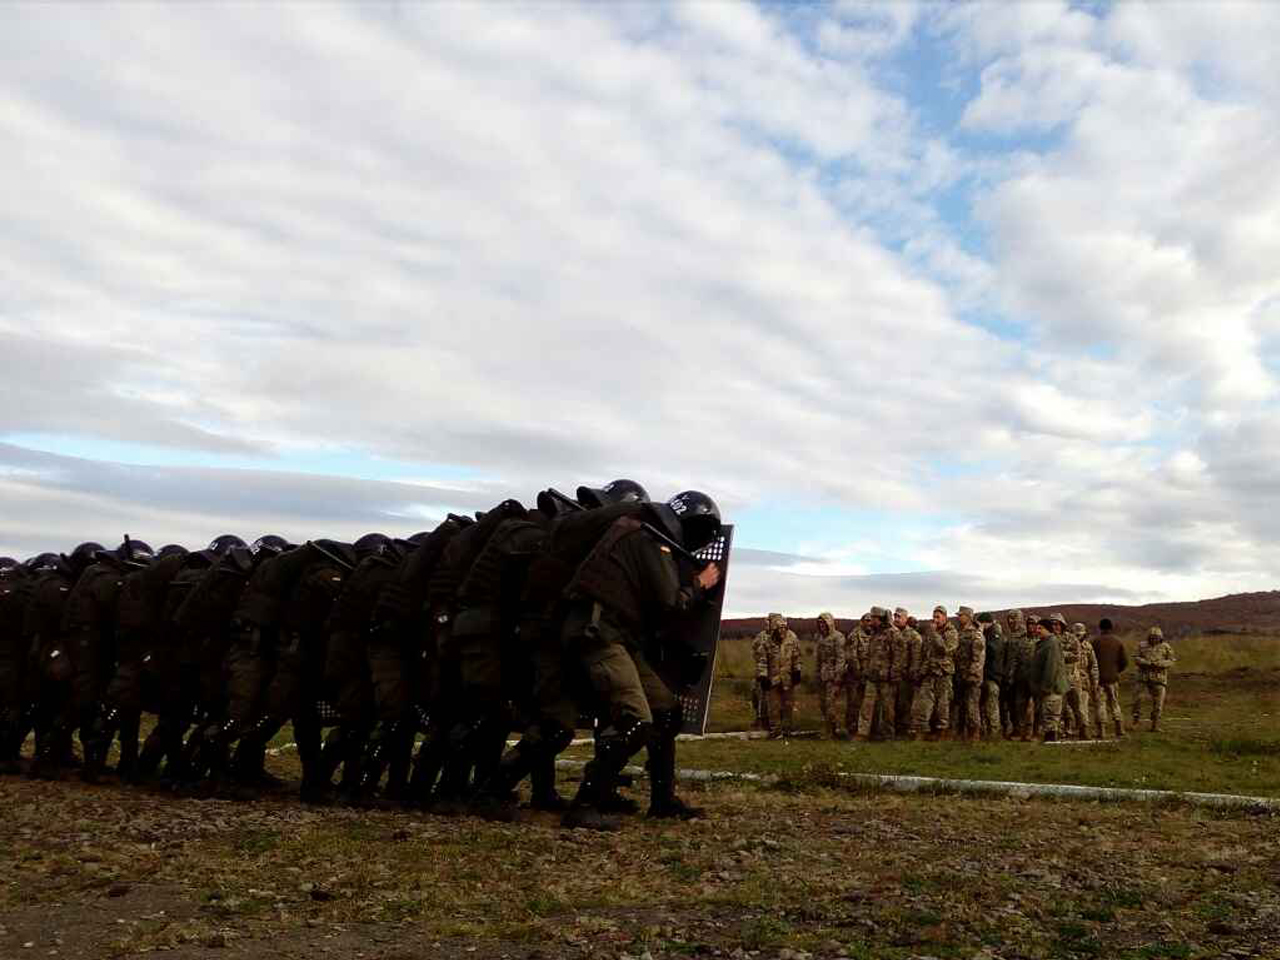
<point x="883" y="659"/>
<point x="1112" y="661"/>
<point x="993" y="677"/>
<point x="971" y="655"/>
<point x="855" y="653"/>
<point x="1048" y="675"/>
<point x="936" y="669"/>
<point x="1154" y="659"/>
<point x="1088" y="683"/>
<point x="1019" y="650"/>
<point x="779" y="673"/>
<point x="909" y="680"/>
<point x="760" y="691"/>
<point x="1075" y="714"/>
<point x="830" y="670"/>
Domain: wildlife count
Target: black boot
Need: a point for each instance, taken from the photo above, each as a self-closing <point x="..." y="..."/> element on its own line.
<point x="663" y="802"/>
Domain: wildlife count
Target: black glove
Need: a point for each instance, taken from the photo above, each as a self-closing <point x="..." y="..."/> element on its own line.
<point x="765" y="683"/>
<point x="795" y="678"/>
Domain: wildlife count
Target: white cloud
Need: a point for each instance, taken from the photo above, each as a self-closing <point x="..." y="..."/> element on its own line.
<point x="698" y="244"/>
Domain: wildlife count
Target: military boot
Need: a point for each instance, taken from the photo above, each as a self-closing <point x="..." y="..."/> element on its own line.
<point x="1050" y="736"/>
<point x="1119" y="729"/>
<point x="584" y="812"/>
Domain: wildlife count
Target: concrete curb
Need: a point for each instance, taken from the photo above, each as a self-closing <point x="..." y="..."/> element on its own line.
<point x="989" y="788"/>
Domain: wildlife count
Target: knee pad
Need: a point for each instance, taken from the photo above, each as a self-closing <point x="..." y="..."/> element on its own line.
<point x="628" y="734"/>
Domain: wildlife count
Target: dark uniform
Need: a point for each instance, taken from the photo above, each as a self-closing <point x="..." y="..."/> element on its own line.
<point x="203" y="623"/>
<point x="401" y="659"/>
<point x="619" y="598"/>
<point x="139" y="613"/>
<point x="51" y="667"/>
<point x="15" y="589"/>
<point x="348" y="682"/>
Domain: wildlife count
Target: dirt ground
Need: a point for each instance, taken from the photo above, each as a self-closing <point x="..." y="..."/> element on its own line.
<point x="113" y="872"/>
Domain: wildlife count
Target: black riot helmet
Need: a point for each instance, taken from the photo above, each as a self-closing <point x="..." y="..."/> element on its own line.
<point x="419" y="538"/>
<point x="85" y="554"/>
<point x="270" y="544"/>
<point x="9" y="567"/>
<point x="619" y="491"/>
<point x="171" y="550"/>
<point x="45" y="563"/>
<point x="135" y="552"/>
<point x="226" y="543"/>
<point x="699" y="518"/>
<point x="371" y="544"/>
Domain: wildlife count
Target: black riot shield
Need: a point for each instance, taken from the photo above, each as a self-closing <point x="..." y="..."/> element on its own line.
<point x="697" y="634"/>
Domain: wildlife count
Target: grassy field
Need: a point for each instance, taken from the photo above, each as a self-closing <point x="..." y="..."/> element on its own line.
<point x="1221" y="733"/>
<point x="806" y="868"/>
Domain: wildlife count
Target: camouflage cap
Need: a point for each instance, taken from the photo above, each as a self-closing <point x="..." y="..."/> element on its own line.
<point x="777" y="620"/>
<point x="940" y="609"/>
<point x="880" y="613"/>
<point x="1056" y="617"/>
<point x="986" y="618"/>
<point x="1014" y="616"/>
<point x="1033" y="618"/>
<point x="1155" y="633"/>
<point x="1079" y="629"/>
<point x="965" y="612"/>
<point x="902" y="612"/>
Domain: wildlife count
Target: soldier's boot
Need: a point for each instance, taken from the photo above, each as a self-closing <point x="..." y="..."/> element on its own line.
<point x="1051" y="736"/>
<point x="427" y="766"/>
<point x="354" y="745"/>
<point x="149" y="757"/>
<point x="663" y="802"/>
<point x="317" y="774"/>
<point x="96" y="736"/>
<point x="130" y="727"/>
<point x="376" y="758"/>
<point x="453" y="792"/>
<point x="1155" y="725"/>
<point x="615" y="745"/>
<point x="542" y="783"/>
<point x="333" y="750"/>
<point x="1119" y="729"/>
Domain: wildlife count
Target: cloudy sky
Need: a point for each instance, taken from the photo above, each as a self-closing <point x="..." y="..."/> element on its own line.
<point x="971" y="304"/>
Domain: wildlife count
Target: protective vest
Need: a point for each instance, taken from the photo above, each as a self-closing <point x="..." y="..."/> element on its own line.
<point x="208" y="606"/>
<point x="42" y="623"/>
<point x="350" y="612"/>
<point x="403" y="600"/>
<point x="462" y="552"/>
<point x="600" y="579"/>
<point x="570" y="538"/>
<point x="140" y="608"/>
<point x="15" y="591"/>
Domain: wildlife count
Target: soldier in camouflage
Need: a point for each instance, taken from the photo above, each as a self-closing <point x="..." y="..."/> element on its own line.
<point x="1112" y="661"/>
<point x="1075" y="704"/>
<point x="993" y="677"/>
<point x="778" y="674"/>
<point x="855" y="652"/>
<point x="937" y="666"/>
<point x="759" y="693"/>
<point x="830" y="671"/>
<point x="1089" y="687"/>
<point x="1154" y="659"/>
<point x="970" y="658"/>
<point x="909" y="681"/>
<point x="882" y="665"/>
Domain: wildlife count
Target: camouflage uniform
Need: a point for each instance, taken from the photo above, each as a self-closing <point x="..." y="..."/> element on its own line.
<point x="1076" y="702"/>
<point x="912" y="644"/>
<point x="1154" y="659"/>
<point x="830" y="670"/>
<point x="970" y="659"/>
<point x="759" y="695"/>
<point x="1094" y="710"/>
<point x="855" y="652"/>
<point x="993" y="679"/>
<point x="780" y="666"/>
<point x="882" y="666"/>
<point x="936" y="669"/>
<point x="1019" y="650"/>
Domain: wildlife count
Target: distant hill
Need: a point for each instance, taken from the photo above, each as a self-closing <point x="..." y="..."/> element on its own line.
<point x="1238" y="613"/>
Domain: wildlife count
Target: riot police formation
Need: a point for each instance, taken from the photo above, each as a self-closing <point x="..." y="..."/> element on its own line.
<point x="530" y="622"/>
